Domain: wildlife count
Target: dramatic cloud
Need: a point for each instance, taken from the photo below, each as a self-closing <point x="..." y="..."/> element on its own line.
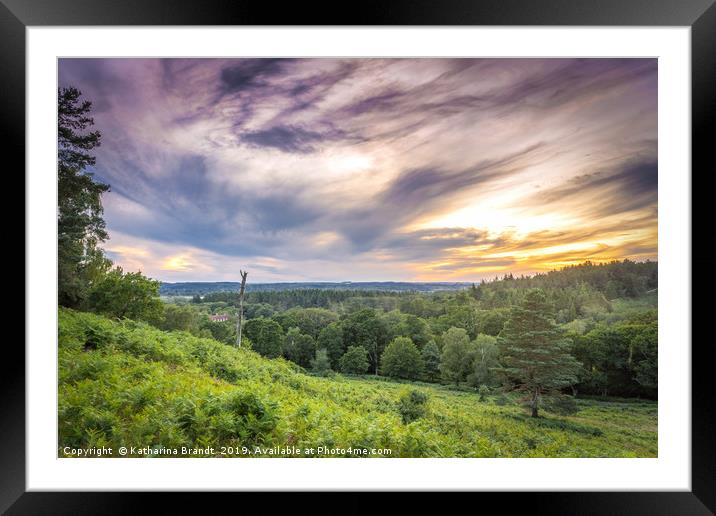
<point x="373" y="169"/>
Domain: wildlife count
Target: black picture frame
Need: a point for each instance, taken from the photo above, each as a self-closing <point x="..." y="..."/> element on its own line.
<point x="700" y="15"/>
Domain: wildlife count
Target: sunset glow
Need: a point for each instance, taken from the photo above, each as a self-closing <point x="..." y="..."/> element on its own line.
<point x="373" y="169"/>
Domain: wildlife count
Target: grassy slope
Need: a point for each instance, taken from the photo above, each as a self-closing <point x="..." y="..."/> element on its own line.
<point x="127" y="384"/>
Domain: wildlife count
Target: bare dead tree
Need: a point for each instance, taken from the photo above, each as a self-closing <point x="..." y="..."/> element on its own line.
<point x="241" y="308"/>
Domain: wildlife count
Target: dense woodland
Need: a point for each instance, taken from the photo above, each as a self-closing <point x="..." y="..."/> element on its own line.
<point x="605" y="312"/>
<point x="548" y="339"/>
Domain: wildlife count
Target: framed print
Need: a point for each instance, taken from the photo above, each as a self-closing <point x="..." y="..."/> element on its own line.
<point x="455" y="241"/>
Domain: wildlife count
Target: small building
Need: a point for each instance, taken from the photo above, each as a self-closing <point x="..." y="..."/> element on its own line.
<point x="219" y="318"/>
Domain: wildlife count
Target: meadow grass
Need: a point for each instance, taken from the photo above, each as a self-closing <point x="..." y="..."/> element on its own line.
<point x="124" y="383"/>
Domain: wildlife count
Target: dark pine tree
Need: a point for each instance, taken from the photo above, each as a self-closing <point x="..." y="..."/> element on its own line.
<point x="79" y="217"/>
<point x="534" y="354"/>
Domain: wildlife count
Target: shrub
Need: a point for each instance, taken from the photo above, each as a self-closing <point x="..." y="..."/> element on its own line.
<point x="131" y="295"/>
<point x="483" y="391"/>
<point x="502" y="400"/>
<point x="253" y="418"/>
<point x="321" y="365"/>
<point x="562" y="405"/>
<point x="97" y="336"/>
<point x="411" y="405"/>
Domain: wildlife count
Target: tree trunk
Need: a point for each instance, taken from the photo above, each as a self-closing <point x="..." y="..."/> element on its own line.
<point x="535" y="404"/>
<point x="240" y="318"/>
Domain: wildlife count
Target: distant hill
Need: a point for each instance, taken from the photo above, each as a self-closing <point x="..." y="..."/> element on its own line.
<point x="201" y="288"/>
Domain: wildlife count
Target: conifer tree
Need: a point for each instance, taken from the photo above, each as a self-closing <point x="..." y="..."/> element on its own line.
<point x="80" y="226"/>
<point x="534" y="354"/>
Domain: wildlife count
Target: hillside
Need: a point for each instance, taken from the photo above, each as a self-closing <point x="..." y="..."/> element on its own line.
<point x="129" y="384"/>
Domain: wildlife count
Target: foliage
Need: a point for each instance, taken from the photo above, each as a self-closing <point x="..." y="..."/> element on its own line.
<point x="129" y="295"/>
<point x="491" y="322"/>
<point x="407" y="325"/>
<point x="309" y="321"/>
<point x="458" y="316"/>
<point x="411" y="405"/>
<point x="620" y="359"/>
<point x="401" y="359"/>
<point x="455" y="358"/>
<point x="483" y="391"/>
<point x="366" y="329"/>
<point x="431" y="361"/>
<point x="534" y="353"/>
<point x="178" y="317"/>
<point x="222" y="331"/>
<point x="355" y="360"/>
<point x="80" y="225"/>
<point x="485" y="361"/>
<point x="321" y="364"/>
<point x="285" y="299"/>
<point x="266" y="336"/>
<point x="298" y="347"/>
<point x="562" y="405"/>
<point x="331" y="339"/>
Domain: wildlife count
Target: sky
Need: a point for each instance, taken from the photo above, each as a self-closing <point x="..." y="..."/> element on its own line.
<point x="372" y="169"/>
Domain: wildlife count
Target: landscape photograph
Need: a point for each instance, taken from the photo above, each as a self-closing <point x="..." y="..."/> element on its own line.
<point x="357" y="258"/>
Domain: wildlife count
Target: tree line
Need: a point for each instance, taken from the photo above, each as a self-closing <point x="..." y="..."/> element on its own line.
<point x="465" y="346"/>
<point x="573" y="292"/>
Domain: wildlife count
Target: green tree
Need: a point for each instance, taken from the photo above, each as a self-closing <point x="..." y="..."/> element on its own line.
<point x="331" y="338"/>
<point x="645" y="358"/>
<point x="321" y="365"/>
<point x="394" y="324"/>
<point x="418" y="330"/>
<point x="266" y="336"/>
<point x="534" y="353"/>
<point x="459" y="316"/>
<point x="456" y="355"/>
<point x="485" y="361"/>
<point x="402" y="359"/>
<point x="476" y="291"/>
<point x="309" y="320"/>
<point x="364" y="328"/>
<point x="80" y="225"/>
<point x="222" y="331"/>
<point x="131" y="295"/>
<point x="621" y="358"/>
<point x="431" y="361"/>
<point x="492" y="321"/>
<point x="355" y="360"/>
<point x="180" y="318"/>
<point x="299" y="347"/>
